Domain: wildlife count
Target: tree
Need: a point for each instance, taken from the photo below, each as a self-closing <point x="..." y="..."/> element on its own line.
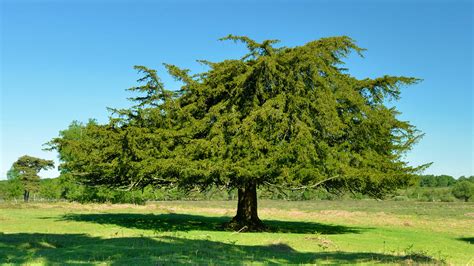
<point x="428" y="181"/>
<point x="445" y="181"/>
<point x="13" y="174"/>
<point x="12" y="187"/>
<point x="27" y="169"/>
<point x="50" y="189"/>
<point x="464" y="178"/>
<point x="436" y="181"/>
<point x="463" y="190"/>
<point x="280" y="117"/>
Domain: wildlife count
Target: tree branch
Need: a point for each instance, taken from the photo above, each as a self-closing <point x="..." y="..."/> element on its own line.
<point x="303" y="187"/>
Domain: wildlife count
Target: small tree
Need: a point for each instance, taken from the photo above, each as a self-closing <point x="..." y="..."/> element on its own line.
<point x="27" y="169"/>
<point x="464" y="190"/>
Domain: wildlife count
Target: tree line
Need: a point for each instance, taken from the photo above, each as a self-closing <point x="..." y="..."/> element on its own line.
<point x="65" y="188"/>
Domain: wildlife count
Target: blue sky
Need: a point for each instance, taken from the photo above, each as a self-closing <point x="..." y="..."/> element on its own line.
<point x="69" y="60"/>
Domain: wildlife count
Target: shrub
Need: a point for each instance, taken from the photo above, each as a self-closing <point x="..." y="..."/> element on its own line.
<point x="464" y="190"/>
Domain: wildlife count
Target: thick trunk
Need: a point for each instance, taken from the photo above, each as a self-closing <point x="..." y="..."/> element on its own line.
<point x="246" y="218"/>
<point x="26" y="195"/>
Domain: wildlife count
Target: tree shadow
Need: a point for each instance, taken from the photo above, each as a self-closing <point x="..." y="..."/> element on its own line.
<point x="22" y="248"/>
<point x="469" y="240"/>
<point x="187" y="222"/>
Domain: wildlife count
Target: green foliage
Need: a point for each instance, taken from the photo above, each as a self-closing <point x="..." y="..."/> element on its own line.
<point x="26" y="170"/>
<point x="436" y="181"/>
<point x="11" y="189"/>
<point x="430" y="194"/>
<point x="280" y="116"/>
<point x="13" y="174"/>
<point x="66" y="188"/>
<point x="464" y="190"/>
<point x="433" y="194"/>
<point x="50" y="189"/>
<point x="464" y="178"/>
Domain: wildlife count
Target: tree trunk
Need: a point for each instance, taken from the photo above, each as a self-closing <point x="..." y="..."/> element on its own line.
<point x="246" y="218"/>
<point x="26" y="195"/>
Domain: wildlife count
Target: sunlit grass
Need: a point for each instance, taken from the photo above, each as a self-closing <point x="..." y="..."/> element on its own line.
<point x="191" y="232"/>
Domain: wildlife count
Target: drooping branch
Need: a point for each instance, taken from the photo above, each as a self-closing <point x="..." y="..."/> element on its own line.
<point x="303" y="187"/>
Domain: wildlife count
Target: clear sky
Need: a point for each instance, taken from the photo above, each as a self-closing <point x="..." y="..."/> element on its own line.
<point x="69" y="60"/>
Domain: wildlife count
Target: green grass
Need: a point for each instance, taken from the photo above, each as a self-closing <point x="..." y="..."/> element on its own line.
<point x="180" y="232"/>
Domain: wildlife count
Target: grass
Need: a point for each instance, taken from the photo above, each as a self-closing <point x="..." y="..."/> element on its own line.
<point x="182" y="232"/>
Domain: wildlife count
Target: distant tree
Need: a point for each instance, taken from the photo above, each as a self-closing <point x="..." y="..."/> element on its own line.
<point x="445" y="181"/>
<point x="13" y="188"/>
<point x="279" y="117"/>
<point x="428" y="181"/>
<point x="436" y="181"/>
<point x="464" y="178"/>
<point x="27" y="169"/>
<point x="464" y="190"/>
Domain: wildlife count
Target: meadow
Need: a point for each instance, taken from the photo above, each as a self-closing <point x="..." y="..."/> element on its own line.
<point x="181" y="232"/>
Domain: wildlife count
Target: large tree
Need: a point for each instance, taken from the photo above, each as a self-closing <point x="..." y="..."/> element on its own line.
<point x="26" y="170"/>
<point x="279" y="116"/>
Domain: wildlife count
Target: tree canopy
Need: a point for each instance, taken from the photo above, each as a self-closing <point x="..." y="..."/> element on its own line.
<point x="289" y="117"/>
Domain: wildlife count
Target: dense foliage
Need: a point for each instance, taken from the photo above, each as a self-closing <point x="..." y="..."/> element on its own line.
<point x="436" y="181"/>
<point x="464" y="190"/>
<point x="278" y="117"/>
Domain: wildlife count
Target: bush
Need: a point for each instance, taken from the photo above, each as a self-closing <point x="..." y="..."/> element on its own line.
<point x="464" y="190"/>
<point x="426" y="194"/>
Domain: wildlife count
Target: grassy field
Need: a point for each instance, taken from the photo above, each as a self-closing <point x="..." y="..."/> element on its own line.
<point x="315" y="232"/>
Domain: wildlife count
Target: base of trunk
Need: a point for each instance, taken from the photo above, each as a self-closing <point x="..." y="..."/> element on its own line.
<point x="246" y="219"/>
<point x="239" y="225"/>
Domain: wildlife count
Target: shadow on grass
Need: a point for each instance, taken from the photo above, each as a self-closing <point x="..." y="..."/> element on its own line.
<point x="23" y="248"/>
<point x="469" y="240"/>
<point x="187" y="222"/>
